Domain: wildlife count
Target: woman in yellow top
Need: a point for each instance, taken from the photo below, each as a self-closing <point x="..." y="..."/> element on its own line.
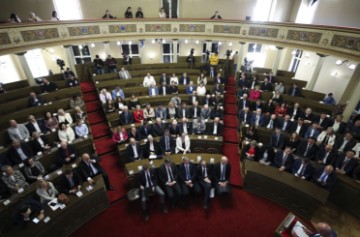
<point x="214" y="59"/>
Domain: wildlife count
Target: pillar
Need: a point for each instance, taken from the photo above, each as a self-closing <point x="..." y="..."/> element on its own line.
<point x="142" y="50"/>
<point x="350" y="88"/>
<point x="107" y="48"/>
<point x="26" y="68"/>
<point x="70" y="59"/>
<point x="352" y="103"/>
<point x="277" y="59"/>
<point x="240" y="56"/>
<point x="311" y="83"/>
<point x="174" y="47"/>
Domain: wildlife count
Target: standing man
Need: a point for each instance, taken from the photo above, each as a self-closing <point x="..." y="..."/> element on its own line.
<point x="187" y="179"/>
<point x="99" y="65"/>
<point x="169" y="179"/>
<point x="222" y="171"/>
<point x="204" y="177"/>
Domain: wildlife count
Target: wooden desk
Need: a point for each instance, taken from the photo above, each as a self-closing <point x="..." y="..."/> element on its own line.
<point x="132" y="168"/>
<point x="298" y="195"/>
<point x="77" y="212"/>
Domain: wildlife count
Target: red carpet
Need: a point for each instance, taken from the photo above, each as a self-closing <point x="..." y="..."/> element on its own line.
<point x="231" y="151"/>
<point x="90" y="97"/>
<point x="230" y="121"/>
<point x="96" y="117"/>
<point x="87" y="87"/>
<point x="243" y="214"/>
<point x="100" y="130"/>
<point x="230" y="90"/>
<point x="230" y="109"/>
<point x="230" y="99"/>
<point x="93" y="106"/>
<point x="117" y="176"/>
<point x="231" y="135"/>
<point x="104" y="146"/>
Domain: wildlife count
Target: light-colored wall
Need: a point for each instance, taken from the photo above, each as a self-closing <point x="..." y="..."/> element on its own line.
<point x="306" y="66"/>
<point x="51" y="54"/>
<point x="282" y="10"/>
<point x="151" y="53"/>
<point x="285" y="59"/>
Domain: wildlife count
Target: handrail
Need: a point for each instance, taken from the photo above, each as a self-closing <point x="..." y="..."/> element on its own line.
<point x="335" y="40"/>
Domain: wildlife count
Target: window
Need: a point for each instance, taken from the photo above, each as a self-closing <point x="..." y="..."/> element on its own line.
<point x="8" y="72"/>
<point x="263" y="9"/>
<point x="306" y="12"/>
<point x="296" y="58"/>
<point x="168" y="52"/>
<point x="36" y="63"/>
<point x="131" y="49"/>
<point x="81" y="54"/>
<point x="254" y="56"/>
<point x="68" y="9"/>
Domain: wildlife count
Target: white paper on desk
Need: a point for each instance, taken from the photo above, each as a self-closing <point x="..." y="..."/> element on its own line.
<point x="21" y="165"/>
<point x="20" y="190"/>
<point x="164" y="121"/>
<point x="62" y="206"/>
<point x="150" y="122"/>
<point x="216" y="138"/>
<point x="59" y="172"/>
<point x="199" y="137"/>
<point x="152" y="157"/>
<point x="212" y="193"/>
<point x="205" y="137"/>
<point x="35" y="220"/>
<point x="26" y="139"/>
<point x="46" y="177"/>
<point x="131" y="172"/>
<point x="132" y="125"/>
<point x="73" y="165"/>
<point x="6" y="202"/>
<point x="39" y="153"/>
<point x="79" y="194"/>
<point x="120" y="112"/>
<point x="140" y="168"/>
<point x="89" y="188"/>
<point x="298" y="229"/>
<point x="54" y="207"/>
<point x="85" y="137"/>
<point x="212" y="160"/>
<point x="47" y="219"/>
<point x="198" y="158"/>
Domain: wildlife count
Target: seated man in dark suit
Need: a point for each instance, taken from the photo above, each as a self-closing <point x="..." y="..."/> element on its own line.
<point x="48" y="86"/>
<point x="222" y="171"/>
<point x="187" y="179"/>
<point x="323" y="121"/>
<point x="277" y="139"/>
<point x="345" y="143"/>
<point x="90" y="167"/>
<point x="183" y="111"/>
<point x="204" y="175"/>
<point x="34" y="100"/>
<point x="294" y="90"/>
<point x="284" y="160"/>
<point x="345" y="164"/>
<point x="146" y="130"/>
<point x="270" y="122"/>
<point x="18" y="152"/>
<point x="325" y="177"/>
<point x="134" y="150"/>
<point x="174" y="129"/>
<point x="148" y="185"/>
<point x="302" y="168"/>
<point x="312" y="131"/>
<point x="326" y="155"/>
<point x="164" y="79"/>
<point x="167" y="143"/>
<point x="307" y="149"/>
<point x="70" y="182"/>
<point x="244" y="102"/>
<point x="195" y="110"/>
<point x="35" y="125"/>
<point x="164" y="89"/>
<point x="299" y="127"/>
<point x="72" y="82"/>
<point x="257" y="118"/>
<point x="168" y="177"/>
<point x="66" y="154"/>
<point x="285" y="124"/>
<point x="158" y="128"/>
<point x="184" y="79"/>
<point x="27" y="210"/>
<point x="134" y="133"/>
<point x="39" y="143"/>
<point x="126" y="117"/>
<point x="266" y="85"/>
<point x="152" y="148"/>
<point x="208" y="100"/>
<point x="185" y="126"/>
<point x="245" y="116"/>
<point x="215" y="128"/>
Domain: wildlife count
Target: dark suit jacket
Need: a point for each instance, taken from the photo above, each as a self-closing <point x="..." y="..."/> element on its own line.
<point x="174" y="131"/>
<point x="85" y="169"/>
<point x="350" y="165"/>
<point x="297" y="91"/>
<point x="64" y="184"/>
<point x="308" y="169"/>
<point x="277" y="143"/>
<point x="244" y="103"/>
<point x="163" y="145"/>
<point x="209" y="170"/>
<point x="182" y="79"/>
<point x="142" y="178"/>
<point x="146" y="150"/>
<point x="311" y="153"/>
<point x="35" y="145"/>
<point x="242" y="117"/>
<point x="13" y="156"/>
<point x="298" y="113"/>
<point x="302" y="129"/>
<point x="180" y="113"/>
<point x="210" y="129"/>
<point x="146" y="132"/>
<point x="163" y="177"/>
<point x="330" y="160"/>
<point x="329" y="181"/>
<point x="267" y="87"/>
<point x="128" y="120"/>
<point x="131" y="154"/>
<point x="197" y="112"/>
<point x="308" y="132"/>
<point x="33" y="103"/>
<point x="217" y="172"/>
<point x="32" y="129"/>
<point x="208" y="101"/>
<point x="188" y="127"/>
<point x="287" y="127"/>
<point x="349" y="145"/>
<point x="137" y="135"/>
<point x="325" y="123"/>
<point x="182" y="173"/>
<point x="62" y="155"/>
<point x="164" y="79"/>
<point x="267" y="121"/>
<point x="158" y="130"/>
<point x="278" y="159"/>
<point x="35" y="207"/>
<point x="161" y="90"/>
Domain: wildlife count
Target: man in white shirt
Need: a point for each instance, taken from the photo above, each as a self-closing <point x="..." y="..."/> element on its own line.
<point x="201" y="90"/>
<point x="174" y="80"/>
<point x="105" y="96"/>
<point x="148" y="80"/>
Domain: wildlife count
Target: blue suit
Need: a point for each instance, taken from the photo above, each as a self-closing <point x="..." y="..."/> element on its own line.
<point x="278" y="161"/>
<point x="242" y="117"/>
<point x="115" y="93"/>
<point x="315" y="133"/>
<point x="253" y="119"/>
<point x="190" y="89"/>
<point x="348" y="167"/>
<point x="307" y="172"/>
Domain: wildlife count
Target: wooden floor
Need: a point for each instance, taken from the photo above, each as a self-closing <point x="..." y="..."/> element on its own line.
<point x="341" y="221"/>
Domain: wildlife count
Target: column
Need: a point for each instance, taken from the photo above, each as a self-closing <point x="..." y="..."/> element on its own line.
<point x="141" y="50"/>
<point x="70" y="59"/>
<point x="174" y="48"/>
<point x="26" y="68"/>
<point x="311" y="83"/>
<point x="277" y="59"/>
<point x="107" y="48"/>
<point x="240" y="56"/>
<point x="352" y="103"/>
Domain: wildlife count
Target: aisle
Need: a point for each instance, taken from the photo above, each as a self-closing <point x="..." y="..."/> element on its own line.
<point x="231" y="139"/>
<point x="105" y="147"/>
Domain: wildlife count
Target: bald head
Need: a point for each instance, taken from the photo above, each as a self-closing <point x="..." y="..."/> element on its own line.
<point x="323" y="229"/>
<point x="224" y="160"/>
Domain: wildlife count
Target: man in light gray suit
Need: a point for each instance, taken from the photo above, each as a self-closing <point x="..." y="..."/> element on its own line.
<point x="124" y="74"/>
<point x="18" y="131"/>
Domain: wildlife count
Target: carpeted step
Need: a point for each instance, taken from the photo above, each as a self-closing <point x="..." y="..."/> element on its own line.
<point x="104" y="146"/>
<point x="230" y="90"/>
<point x="100" y="130"/>
<point x="230" y="99"/>
<point x="90" y="97"/>
<point x="117" y="176"/>
<point x="96" y="117"/>
<point x="231" y="151"/>
<point x="230" y="135"/>
<point x="93" y="106"/>
<point x="87" y="87"/>
<point x="230" y="109"/>
<point x="230" y="121"/>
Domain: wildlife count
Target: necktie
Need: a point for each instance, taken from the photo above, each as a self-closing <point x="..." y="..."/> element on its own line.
<point x="203" y="172"/>
<point x="126" y="117"/>
<point x="167" y="143"/>
<point x="223" y="172"/>
<point x="323" y="177"/>
<point x="346" y="160"/>
<point x="325" y="158"/>
<point x="149" y="183"/>
<point x="307" y="150"/>
<point x="284" y="160"/>
<point x="301" y="171"/>
<point x="187" y="172"/>
<point x="170" y="175"/>
<point x="91" y="170"/>
<point x="277" y="140"/>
